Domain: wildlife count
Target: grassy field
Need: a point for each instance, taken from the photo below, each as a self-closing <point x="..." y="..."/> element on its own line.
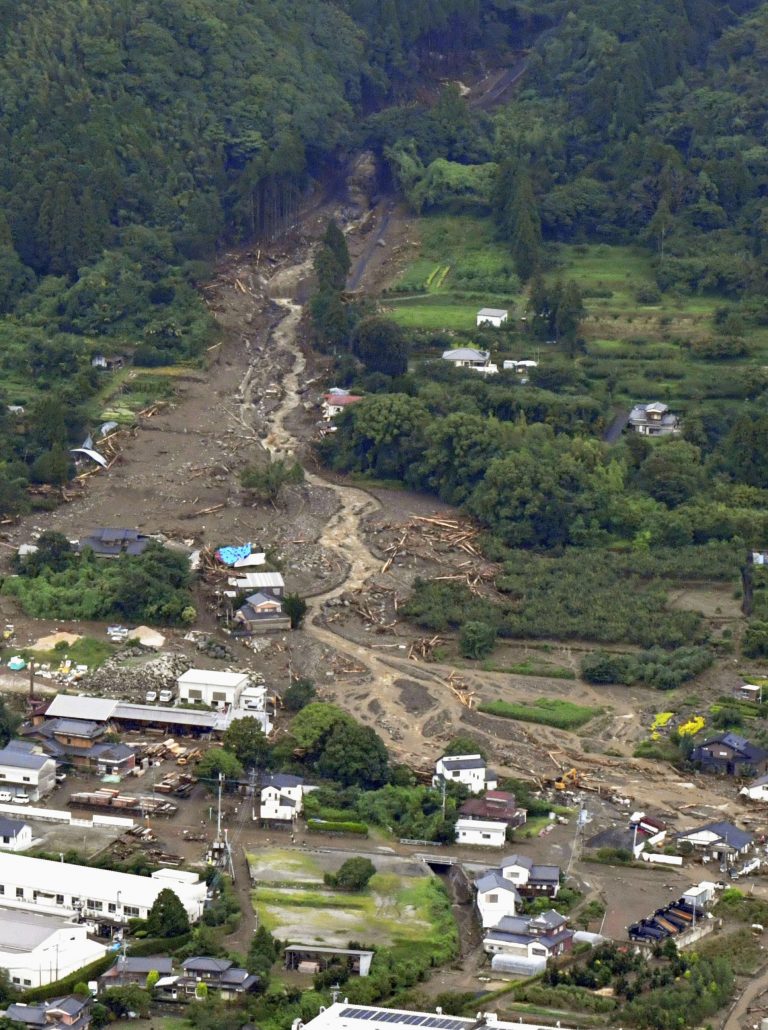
<point x="460" y="267"/>
<point x="86" y="651"/>
<point x="397" y="910"/>
<point x="563" y="715"/>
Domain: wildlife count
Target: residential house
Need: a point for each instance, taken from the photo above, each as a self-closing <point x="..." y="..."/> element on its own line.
<point x="336" y="401"/>
<point x="531" y="880"/>
<point x="730" y="755"/>
<point x="37" y="950"/>
<point x="24" y="770"/>
<point x="749" y="692"/>
<point x="112" y="543"/>
<point x="15" y="835"/>
<point x="71" y="740"/>
<point x="757" y="790"/>
<point x="470" y="770"/>
<point x="211" y="687"/>
<point x="496" y="898"/>
<point x="261" y="613"/>
<point x="496" y="806"/>
<point x="492" y="317"/>
<point x="66" y="1013"/>
<point x="542" y="936"/>
<point x="104" y="896"/>
<point x="130" y="970"/>
<point x="282" y="799"/>
<point x="469" y="357"/>
<point x="653" y="419"/>
<point x="270" y="583"/>
<point x="721" y="841"/>
<point x="481" y="832"/>
<point x="219" y="974"/>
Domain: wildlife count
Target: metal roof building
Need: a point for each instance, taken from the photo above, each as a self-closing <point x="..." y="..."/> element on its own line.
<point x="64" y="889"/>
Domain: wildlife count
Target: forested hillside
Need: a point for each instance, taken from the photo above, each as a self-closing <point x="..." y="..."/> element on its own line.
<point x="137" y="138"/>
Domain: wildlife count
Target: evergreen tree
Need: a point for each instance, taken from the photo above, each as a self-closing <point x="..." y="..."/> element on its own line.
<point x="167" y="917"/>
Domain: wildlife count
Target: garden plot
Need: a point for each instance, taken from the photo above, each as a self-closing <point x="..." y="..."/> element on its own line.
<point x="291" y="900"/>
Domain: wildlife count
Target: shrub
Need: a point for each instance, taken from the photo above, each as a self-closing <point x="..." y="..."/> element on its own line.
<point x="327" y="826"/>
<point x="563" y="715"/>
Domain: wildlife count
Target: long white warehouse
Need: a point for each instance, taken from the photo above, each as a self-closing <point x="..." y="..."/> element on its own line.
<point x="58" y="888"/>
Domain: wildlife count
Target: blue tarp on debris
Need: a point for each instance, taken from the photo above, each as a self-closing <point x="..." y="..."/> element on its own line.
<point x="229" y="555"/>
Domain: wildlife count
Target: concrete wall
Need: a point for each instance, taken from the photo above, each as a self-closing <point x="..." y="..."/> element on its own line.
<point x="54" y="815"/>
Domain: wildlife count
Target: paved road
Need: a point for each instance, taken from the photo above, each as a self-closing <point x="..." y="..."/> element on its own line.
<point x="616" y="428"/>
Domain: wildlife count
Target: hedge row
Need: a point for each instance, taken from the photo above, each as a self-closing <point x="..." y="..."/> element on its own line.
<point x="327" y="826"/>
<point x="67" y="984"/>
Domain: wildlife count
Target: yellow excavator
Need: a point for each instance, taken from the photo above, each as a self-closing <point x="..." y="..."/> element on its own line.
<point x="568" y="780"/>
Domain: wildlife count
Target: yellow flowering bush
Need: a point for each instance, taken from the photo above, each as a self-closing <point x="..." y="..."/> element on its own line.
<point x="661" y="720"/>
<point x="693" y="726"/>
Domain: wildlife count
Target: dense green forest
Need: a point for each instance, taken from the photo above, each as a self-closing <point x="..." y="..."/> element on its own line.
<point x="636" y="136"/>
<point x="137" y="139"/>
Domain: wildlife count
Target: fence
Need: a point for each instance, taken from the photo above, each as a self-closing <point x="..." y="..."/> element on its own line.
<point x="57" y="815"/>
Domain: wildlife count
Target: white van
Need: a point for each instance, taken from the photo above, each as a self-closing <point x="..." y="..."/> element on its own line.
<point x="5" y="796"/>
<point x="21" y="799"/>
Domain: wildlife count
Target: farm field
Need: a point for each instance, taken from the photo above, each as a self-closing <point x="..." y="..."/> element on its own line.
<point x="639" y="344"/>
<point x="460" y="267"/>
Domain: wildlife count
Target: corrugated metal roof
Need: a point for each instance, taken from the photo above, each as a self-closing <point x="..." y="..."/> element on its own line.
<point x="97" y="709"/>
<point x="212" y="678"/>
<point x="167" y="716"/>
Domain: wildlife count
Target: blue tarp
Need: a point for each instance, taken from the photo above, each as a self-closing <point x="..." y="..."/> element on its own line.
<point x="229" y="555"/>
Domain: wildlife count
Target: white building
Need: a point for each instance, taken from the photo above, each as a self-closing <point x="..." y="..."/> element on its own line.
<point x="470" y="770"/>
<point x="15" y="835"/>
<point x="529" y="878"/>
<point x="24" y="770"/>
<point x="212" y="687"/>
<point x="757" y="790"/>
<point x="481" y="832"/>
<point x="37" y="950"/>
<point x="521" y="367"/>
<point x="343" y="1016"/>
<point x="62" y="889"/>
<point x="282" y="798"/>
<point x="495" y="317"/>
<point x="701" y="895"/>
<point x="469" y="357"/>
<point x="496" y="897"/>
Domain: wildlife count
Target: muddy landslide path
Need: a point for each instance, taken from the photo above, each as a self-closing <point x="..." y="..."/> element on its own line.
<point x="342" y="534"/>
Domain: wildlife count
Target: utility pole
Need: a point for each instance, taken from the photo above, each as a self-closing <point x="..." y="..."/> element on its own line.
<point x="218" y="811"/>
<point x="252" y="791"/>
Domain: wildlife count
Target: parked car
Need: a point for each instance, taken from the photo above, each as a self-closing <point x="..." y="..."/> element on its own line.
<point x="21" y="799"/>
<point x="5" y="796"/>
<point x="61" y="778"/>
<point x="166" y="696"/>
<point x="150" y="696"/>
